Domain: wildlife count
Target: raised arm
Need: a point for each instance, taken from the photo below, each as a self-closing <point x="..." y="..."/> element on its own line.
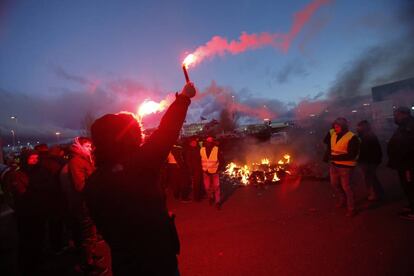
<point x="159" y="144"/>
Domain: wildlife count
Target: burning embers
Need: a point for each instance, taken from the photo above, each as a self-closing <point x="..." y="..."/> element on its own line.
<point x="265" y="172"/>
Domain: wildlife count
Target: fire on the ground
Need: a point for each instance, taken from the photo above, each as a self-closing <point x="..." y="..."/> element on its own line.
<point x="260" y="173"/>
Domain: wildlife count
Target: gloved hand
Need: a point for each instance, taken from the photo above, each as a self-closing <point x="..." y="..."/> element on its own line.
<point x="189" y="90"/>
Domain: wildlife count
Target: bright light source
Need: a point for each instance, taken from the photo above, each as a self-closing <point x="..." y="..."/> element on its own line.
<point x="354" y="111"/>
<point x="312" y="115"/>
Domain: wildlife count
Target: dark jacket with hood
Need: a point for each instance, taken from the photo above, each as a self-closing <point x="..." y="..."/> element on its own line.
<point x="128" y="205"/>
<point x="370" y="150"/>
<point x="80" y="166"/>
<point x="400" y="148"/>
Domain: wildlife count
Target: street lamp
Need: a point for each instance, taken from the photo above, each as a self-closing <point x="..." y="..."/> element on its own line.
<point x="57" y="136"/>
<point x="14" y="138"/>
<point x="13" y="131"/>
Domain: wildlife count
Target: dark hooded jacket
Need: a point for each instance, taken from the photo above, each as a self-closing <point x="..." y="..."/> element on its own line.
<point x="400" y="148"/>
<point x="127" y="202"/>
<point x="80" y="166"/>
<point x="370" y="149"/>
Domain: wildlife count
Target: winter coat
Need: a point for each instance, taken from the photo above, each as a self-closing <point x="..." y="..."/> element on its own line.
<point x="128" y="205"/>
<point x="400" y="148"/>
<point x="80" y="166"/>
<point x="370" y="149"/>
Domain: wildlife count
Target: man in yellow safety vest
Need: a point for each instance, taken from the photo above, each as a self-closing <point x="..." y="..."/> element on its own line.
<point x="210" y="165"/>
<point x="344" y="147"/>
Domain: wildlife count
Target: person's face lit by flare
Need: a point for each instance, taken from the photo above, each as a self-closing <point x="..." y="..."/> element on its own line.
<point x="33" y="159"/>
<point x="337" y="128"/>
<point x="87" y="146"/>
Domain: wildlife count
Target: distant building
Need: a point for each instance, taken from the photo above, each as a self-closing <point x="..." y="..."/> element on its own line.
<point x="192" y="129"/>
<point x="386" y="98"/>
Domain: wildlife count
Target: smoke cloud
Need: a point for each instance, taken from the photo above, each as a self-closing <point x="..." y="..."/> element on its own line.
<point x="215" y="98"/>
<point x="388" y="62"/>
<point x="220" y="45"/>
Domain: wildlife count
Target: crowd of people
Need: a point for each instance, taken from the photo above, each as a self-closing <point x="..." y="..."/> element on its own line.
<point x="108" y="188"/>
<point x="112" y="187"/>
<point x="347" y="150"/>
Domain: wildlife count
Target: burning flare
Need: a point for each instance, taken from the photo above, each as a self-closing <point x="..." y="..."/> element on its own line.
<point x="190" y="59"/>
<point x="150" y="107"/>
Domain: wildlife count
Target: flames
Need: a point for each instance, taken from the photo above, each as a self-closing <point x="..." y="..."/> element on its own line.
<point x="259" y="173"/>
<point x="150" y="107"/>
<point x="189" y="60"/>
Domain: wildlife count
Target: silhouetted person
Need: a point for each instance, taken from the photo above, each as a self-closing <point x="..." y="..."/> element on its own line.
<point x="193" y="164"/>
<point x="370" y="157"/>
<point x="176" y="176"/>
<point x="401" y="155"/>
<point x="29" y="187"/>
<point x="124" y="194"/>
<point x="80" y="167"/>
<point x="210" y="162"/>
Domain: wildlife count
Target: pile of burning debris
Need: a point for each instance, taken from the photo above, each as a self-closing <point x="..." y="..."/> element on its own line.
<point x="259" y="174"/>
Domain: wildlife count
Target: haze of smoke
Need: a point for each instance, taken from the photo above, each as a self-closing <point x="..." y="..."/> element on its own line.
<point x="216" y="98"/>
<point x="388" y="62"/>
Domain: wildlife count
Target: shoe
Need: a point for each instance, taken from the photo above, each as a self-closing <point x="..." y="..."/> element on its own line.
<point x="407" y="215"/>
<point x="218" y="206"/>
<point x="185" y="200"/>
<point x="351" y="213"/>
<point x="211" y="201"/>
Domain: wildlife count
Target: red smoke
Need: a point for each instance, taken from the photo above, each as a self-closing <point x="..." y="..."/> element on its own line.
<point x="225" y="98"/>
<point x="261" y="113"/>
<point x="219" y="45"/>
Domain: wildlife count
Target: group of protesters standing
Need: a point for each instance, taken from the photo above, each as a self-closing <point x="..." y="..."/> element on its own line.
<point x="112" y="188"/>
<point x="45" y="189"/>
<point x="193" y="169"/>
<point x="346" y="151"/>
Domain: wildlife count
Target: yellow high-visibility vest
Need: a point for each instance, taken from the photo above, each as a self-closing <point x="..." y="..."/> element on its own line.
<point x="341" y="147"/>
<point x="210" y="164"/>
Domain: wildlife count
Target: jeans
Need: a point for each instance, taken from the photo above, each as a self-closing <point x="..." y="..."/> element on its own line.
<point x="369" y="172"/>
<point x="407" y="183"/>
<point x="341" y="182"/>
<point x="212" y="185"/>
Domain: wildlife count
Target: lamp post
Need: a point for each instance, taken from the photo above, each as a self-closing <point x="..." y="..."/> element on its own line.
<point x="13" y="131"/>
<point x="57" y="136"/>
<point x="14" y="138"/>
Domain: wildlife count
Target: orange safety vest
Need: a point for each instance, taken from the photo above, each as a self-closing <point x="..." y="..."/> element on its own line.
<point x="210" y="164"/>
<point x="341" y="147"/>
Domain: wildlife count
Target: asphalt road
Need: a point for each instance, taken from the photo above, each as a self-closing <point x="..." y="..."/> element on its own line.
<point x="290" y="228"/>
<point x="294" y="229"/>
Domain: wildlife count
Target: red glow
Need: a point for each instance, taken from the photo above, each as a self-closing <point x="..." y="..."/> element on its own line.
<point x="150" y="107"/>
<point x="220" y="45"/>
